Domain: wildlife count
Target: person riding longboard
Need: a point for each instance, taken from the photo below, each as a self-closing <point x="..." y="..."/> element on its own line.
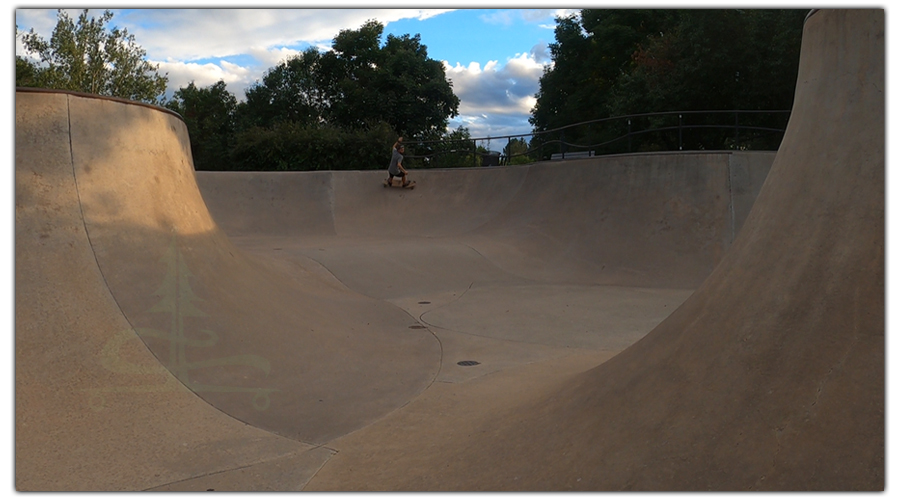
<point x="395" y="169"/>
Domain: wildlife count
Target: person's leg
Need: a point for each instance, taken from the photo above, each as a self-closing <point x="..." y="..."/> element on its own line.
<point x="404" y="179"/>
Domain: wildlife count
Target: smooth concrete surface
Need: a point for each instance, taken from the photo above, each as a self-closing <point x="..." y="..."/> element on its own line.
<point x="95" y="410"/>
<point x="769" y="377"/>
<point x="651" y="322"/>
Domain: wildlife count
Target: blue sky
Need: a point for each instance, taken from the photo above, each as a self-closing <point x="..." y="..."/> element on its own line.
<point x="467" y="35"/>
<point x="494" y="57"/>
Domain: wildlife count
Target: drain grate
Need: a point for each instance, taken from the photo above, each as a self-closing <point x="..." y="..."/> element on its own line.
<point x="424" y="302"/>
<point x="468" y="363"/>
<point x="417" y="327"/>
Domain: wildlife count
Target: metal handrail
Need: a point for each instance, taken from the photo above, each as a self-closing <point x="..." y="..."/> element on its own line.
<point x="469" y="146"/>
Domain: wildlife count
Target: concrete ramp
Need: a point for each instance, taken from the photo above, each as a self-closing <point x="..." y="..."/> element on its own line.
<point x="648" y="220"/>
<point x="114" y="246"/>
<point x="95" y="410"/>
<point x="769" y="377"/>
<point x="494" y="329"/>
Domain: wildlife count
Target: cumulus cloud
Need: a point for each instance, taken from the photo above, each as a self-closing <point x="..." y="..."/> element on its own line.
<point x="192" y="34"/>
<point x="237" y="46"/>
<point x="41" y="20"/>
<point x="194" y="44"/>
<point x="237" y="78"/>
<point x="272" y="57"/>
<point x="557" y="13"/>
<point x="496" y="99"/>
<point x="503" y="17"/>
<point x="541" y="53"/>
<point x="538" y="16"/>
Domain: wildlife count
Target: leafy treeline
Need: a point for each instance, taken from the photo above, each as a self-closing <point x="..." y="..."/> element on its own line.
<point x="333" y="110"/>
<point x="609" y="63"/>
<point x="342" y="109"/>
<point x="337" y="110"/>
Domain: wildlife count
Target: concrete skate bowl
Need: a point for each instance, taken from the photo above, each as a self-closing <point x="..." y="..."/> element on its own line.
<point x="181" y="330"/>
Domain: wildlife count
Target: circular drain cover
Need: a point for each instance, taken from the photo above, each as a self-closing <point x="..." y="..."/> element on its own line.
<point x="468" y="363"/>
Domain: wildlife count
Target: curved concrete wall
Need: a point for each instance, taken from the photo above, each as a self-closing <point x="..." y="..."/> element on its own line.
<point x="131" y="302"/>
<point x="642" y="220"/>
<point x="769" y="377"/>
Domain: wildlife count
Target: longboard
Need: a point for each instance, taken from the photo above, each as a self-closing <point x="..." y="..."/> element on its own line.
<point x="411" y="185"/>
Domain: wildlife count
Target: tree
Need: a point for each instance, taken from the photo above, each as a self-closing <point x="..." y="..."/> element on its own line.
<point x="451" y="149"/>
<point x="621" y="62"/>
<point x="558" y="102"/>
<point x="416" y="97"/>
<point x="88" y="57"/>
<point x="716" y="60"/>
<point x="591" y="52"/>
<point x="209" y="114"/>
<point x="358" y="85"/>
<point x="289" y="92"/>
<point x="25" y="73"/>
<point x="516" y="152"/>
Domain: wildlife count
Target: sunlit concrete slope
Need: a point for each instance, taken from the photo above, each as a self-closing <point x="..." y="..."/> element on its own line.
<point x="771" y="376"/>
<point x="94" y="409"/>
<point x="114" y="246"/>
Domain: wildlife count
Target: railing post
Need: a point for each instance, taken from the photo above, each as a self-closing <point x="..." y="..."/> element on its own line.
<point x="737" y="131"/>
<point x="680" y="137"/>
<point x="562" y="143"/>
<point x="508" y="151"/>
<point x="629" y="135"/>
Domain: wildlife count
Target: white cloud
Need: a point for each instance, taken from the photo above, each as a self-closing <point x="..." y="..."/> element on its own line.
<point x="502" y="17"/>
<point x="191" y="44"/>
<point x="237" y="46"/>
<point x="199" y="33"/>
<point x="42" y="21"/>
<point x="541" y="53"/>
<point x="192" y="34"/>
<point x="498" y="99"/>
<point x="271" y="57"/>
<point x="531" y="16"/>
<point x="180" y="74"/>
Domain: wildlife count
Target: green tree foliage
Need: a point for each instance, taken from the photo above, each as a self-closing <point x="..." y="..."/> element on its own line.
<point x="516" y="152"/>
<point x="337" y="110"/>
<point x="290" y="92"/>
<point x="453" y="149"/>
<point x="293" y="146"/>
<point x="357" y="85"/>
<point x="25" y="73"/>
<point x="716" y="59"/>
<point x="87" y="56"/>
<point x="590" y="54"/>
<point x="209" y="114"/>
<point x="621" y="62"/>
<point x="405" y="66"/>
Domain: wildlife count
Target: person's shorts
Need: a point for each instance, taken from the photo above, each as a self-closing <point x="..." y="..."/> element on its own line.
<point x="398" y="174"/>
